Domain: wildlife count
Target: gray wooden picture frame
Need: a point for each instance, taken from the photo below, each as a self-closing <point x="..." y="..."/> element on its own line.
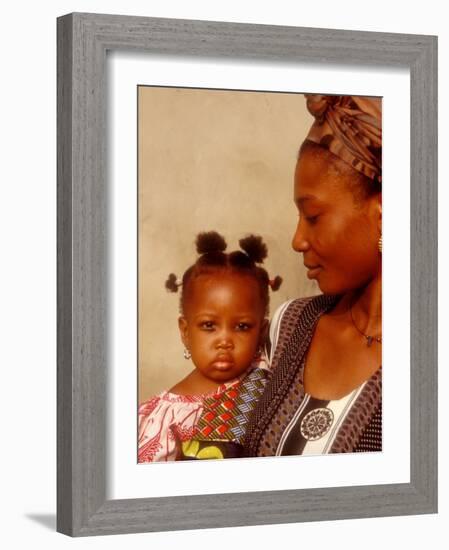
<point x="83" y="40"/>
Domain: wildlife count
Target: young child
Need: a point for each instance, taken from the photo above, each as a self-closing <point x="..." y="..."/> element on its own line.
<point x="224" y="305"/>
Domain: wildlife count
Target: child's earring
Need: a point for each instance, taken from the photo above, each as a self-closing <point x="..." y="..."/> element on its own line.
<point x="187" y="354"/>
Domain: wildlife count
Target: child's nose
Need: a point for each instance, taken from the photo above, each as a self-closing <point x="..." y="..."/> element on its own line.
<point x="225" y="341"/>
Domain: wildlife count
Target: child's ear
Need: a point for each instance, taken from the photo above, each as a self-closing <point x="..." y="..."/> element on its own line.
<point x="182" y="324"/>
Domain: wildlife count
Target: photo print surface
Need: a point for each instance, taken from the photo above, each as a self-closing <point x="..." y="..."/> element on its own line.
<point x="259" y="274"/>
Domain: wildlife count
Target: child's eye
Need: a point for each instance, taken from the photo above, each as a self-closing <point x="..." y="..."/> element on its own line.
<point x="243" y="326"/>
<point x="207" y="325"/>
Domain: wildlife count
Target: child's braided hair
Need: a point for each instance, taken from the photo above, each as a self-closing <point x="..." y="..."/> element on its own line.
<point x="211" y="246"/>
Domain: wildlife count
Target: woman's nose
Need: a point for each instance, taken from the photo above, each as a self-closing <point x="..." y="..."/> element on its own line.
<point x="299" y="241"/>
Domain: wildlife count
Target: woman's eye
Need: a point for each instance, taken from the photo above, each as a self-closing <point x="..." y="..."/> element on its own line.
<point x="312" y="219"/>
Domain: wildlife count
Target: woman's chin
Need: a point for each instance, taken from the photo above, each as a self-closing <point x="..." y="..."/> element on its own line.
<point x="327" y="291"/>
<point x="323" y="286"/>
<point x="332" y="289"/>
<point x="329" y="287"/>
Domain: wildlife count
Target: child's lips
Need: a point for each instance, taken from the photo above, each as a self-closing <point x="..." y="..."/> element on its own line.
<point x="223" y="362"/>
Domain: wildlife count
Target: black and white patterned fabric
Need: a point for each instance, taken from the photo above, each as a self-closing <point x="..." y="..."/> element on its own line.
<point x="287" y="420"/>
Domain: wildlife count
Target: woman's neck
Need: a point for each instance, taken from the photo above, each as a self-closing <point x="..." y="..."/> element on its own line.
<point x="364" y="307"/>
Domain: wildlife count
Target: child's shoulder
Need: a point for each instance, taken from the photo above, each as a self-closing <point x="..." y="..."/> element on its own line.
<point x="168" y="399"/>
<point x="147" y="407"/>
<point x="182" y="388"/>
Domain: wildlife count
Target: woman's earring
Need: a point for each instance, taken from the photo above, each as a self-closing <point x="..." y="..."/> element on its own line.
<point x="187" y="354"/>
<point x="379" y="244"/>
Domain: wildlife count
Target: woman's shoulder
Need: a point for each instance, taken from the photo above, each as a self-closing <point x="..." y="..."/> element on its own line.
<point x="317" y="300"/>
<point x="295" y="307"/>
<point x="287" y="316"/>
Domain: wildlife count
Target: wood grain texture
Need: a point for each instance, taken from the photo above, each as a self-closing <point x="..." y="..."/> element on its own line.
<point x="83" y="40"/>
<point x="424" y="276"/>
<point x="64" y="277"/>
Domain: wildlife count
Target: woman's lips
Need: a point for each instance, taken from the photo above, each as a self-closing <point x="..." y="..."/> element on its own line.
<point x="313" y="271"/>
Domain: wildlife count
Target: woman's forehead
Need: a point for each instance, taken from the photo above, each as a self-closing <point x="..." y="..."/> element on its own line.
<point x="317" y="176"/>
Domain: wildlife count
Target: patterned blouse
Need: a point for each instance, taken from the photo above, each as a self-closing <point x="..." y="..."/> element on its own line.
<point x="288" y="421"/>
<point x="168" y="420"/>
<point x="162" y="420"/>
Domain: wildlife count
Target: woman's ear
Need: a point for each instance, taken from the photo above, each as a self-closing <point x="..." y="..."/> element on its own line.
<point x="380" y="213"/>
<point x="182" y="324"/>
<point x="375" y="211"/>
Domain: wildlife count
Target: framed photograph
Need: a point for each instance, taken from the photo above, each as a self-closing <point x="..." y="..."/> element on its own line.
<point x="172" y="128"/>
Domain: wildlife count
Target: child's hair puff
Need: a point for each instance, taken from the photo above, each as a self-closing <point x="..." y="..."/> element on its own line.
<point x="254" y="247"/>
<point x="210" y="242"/>
<point x="211" y="247"/>
<point x="171" y="283"/>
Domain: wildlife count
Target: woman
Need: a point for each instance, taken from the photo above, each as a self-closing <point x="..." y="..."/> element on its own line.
<point x="325" y="393"/>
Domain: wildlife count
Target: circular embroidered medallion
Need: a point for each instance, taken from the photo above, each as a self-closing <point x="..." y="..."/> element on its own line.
<point x="316" y="423"/>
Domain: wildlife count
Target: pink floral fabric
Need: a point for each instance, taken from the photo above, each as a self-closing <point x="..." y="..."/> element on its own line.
<point x="166" y="419"/>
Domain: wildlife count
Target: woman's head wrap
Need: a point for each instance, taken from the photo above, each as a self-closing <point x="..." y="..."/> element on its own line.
<point x="350" y="127"/>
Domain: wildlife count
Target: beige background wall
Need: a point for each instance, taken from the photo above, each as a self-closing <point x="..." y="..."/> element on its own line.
<point x="210" y="159"/>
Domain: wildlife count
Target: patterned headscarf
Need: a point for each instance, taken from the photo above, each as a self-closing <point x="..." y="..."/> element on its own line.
<point x="350" y="127"/>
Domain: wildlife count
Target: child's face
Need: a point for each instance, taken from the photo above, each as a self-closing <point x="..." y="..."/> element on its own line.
<point x="222" y="324"/>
